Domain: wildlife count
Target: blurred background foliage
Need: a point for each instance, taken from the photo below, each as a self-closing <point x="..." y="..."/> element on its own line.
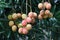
<point x="48" y="29"/>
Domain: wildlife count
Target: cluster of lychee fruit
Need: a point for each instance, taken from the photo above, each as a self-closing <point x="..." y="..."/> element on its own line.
<point x="25" y="25"/>
<point x="45" y="10"/>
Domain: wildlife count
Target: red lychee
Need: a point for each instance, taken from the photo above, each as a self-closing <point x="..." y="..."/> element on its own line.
<point x="29" y="20"/>
<point x="24" y="23"/>
<point x="30" y="14"/>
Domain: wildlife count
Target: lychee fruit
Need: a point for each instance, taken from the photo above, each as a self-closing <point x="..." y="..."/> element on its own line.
<point x="40" y="5"/>
<point x="19" y="25"/>
<point x="42" y="12"/>
<point x="24" y="23"/>
<point x="33" y="20"/>
<point x="40" y="17"/>
<point x="19" y="15"/>
<point x="48" y="6"/>
<point x="35" y="15"/>
<point x="14" y="28"/>
<point x="45" y="16"/>
<point x="29" y="20"/>
<point x="30" y="14"/>
<point x="47" y="12"/>
<point x="25" y="31"/>
<point x="45" y="3"/>
<point x="24" y="16"/>
<point x="10" y="17"/>
<point x="11" y="23"/>
<point x="28" y="26"/>
<point x="14" y="16"/>
<point x="20" y="30"/>
<point x="50" y="15"/>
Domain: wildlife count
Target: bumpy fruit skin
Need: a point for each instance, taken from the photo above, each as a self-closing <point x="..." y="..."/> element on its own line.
<point x="30" y="14"/>
<point x="33" y="20"/>
<point x="28" y="26"/>
<point x="29" y="20"/>
<point x="40" y="17"/>
<point x="19" y="25"/>
<point x="45" y="3"/>
<point x="47" y="12"/>
<point x="35" y="15"/>
<point x="19" y="15"/>
<point x="14" y="16"/>
<point x="42" y="12"/>
<point x="14" y="28"/>
<point x="40" y="5"/>
<point x="20" y="30"/>
<point x="10" y="17"/>
<point x="24" y="23"/>
<point x="50" y="15"/>
<point x="24" y="16"/>
<point x="45" y="16"/>
<point x="48" y="6"/>
<point x="25" y="31"/>
<point x="11" y="23"/>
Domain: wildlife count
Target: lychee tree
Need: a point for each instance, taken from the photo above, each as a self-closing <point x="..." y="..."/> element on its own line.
<point x="29" y="20"/>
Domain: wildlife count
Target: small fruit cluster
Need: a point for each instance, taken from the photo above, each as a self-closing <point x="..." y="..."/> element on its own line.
<point x="14" y="16"/>
<point x="44" y="5"/>
<point x="25" y="25"/>
<point x="44" y="13"/>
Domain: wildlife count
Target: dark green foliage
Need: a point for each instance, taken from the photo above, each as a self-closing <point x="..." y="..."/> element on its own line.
<point x="46" y="29"/>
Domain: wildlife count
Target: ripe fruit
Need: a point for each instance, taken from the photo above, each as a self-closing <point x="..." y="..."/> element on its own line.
<point x="24" y="23"/>
<point x="48" y="6"/>
<point x="14" y="28"/>
<point x="29" y="20"/>
<point x="39" y="17"/>
<point x="11" y="23"/>
<point x="14" y="16"/>
<point x="19" y="25"/>
<point x="45" y="3"/>
<point x="25" y="31"/>
<point x="30" y="14"/>
<point x="45" y="16"/>
<point x="35" y="15"/>
<point x="50" y="15"/>
<point x="47" y="12"/>
<point x="42" y="12"/>
<point x="40" y="5"/>
<point x="24" y="16"/>
<point x="20" y="30"/>
<point x="29" y="27"/>
<point x="33" y="20"/>
<point x="10" y="17"/>
<point x="19" y="15"/>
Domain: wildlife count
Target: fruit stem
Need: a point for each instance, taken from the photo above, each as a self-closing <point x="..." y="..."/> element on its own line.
<point x="43" y="4"/>
<point x="30" y="6"/>
<point x="26" y="6"/>
<point x="49" y="1"/>
<point x="42" y="1"/>
<point x="13" y="10"/>
<point x="21" y="8"/>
